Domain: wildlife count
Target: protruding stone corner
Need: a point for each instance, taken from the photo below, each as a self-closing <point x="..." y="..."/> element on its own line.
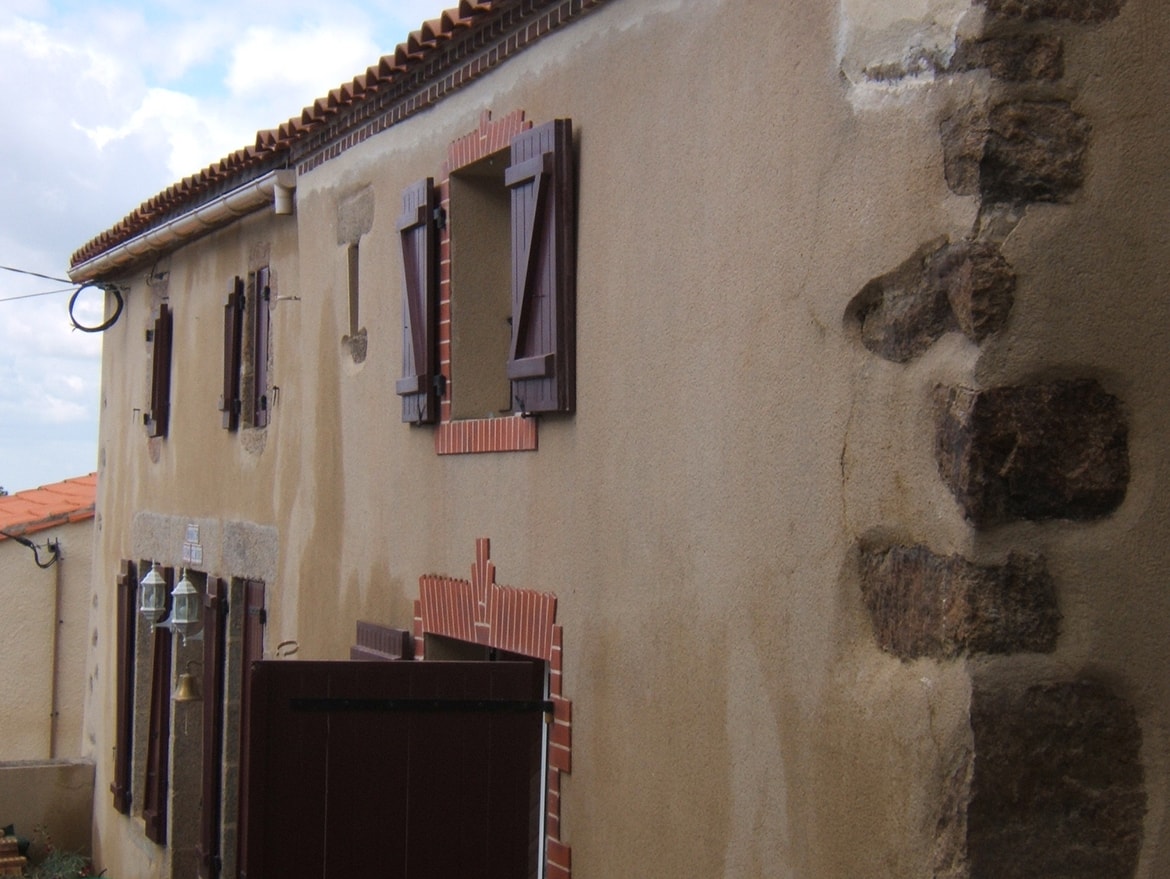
<point x="949" y="855"/>
<point x="925" y="605"/>
<point x="1048" y="450"/>
<point x="1058" y="785"/>
<point x="1076" y="11"/>
<point x="1015" y="151"/>
<point x="1012" y="57"/>
<point x="942" y="287"/>
<point x="979" y="285"/>
<point x="898" y="314"/>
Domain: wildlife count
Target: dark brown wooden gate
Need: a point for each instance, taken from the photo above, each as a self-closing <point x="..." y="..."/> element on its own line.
<point x="417" y="770"/>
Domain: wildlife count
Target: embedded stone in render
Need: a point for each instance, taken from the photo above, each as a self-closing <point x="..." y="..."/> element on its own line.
<point x="1013" y="58"/>
<point x="1058" y="786"/>
<point x="926" y="605"/>
<point x="1051" y="450"/>
<point x="966" y="286"/>
<point x="979" y="285"/>
<point x="1016" y="152"/>
<point x="1081" y="11"/>
<point x="901" y="315"/>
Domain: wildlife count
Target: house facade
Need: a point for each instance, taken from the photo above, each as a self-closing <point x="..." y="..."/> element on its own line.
<point x="759" y="407"/>
<point x="46" y="543"/>
<point x="46" y="746"/>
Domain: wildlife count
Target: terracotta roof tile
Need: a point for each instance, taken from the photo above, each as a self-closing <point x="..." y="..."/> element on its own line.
<point x="36" y="509"/>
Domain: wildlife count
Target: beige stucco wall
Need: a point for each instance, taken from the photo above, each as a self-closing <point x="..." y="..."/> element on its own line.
<point x="44" y="639"/>
<point x="49" y="802"/>
<point x="698" y="516"/>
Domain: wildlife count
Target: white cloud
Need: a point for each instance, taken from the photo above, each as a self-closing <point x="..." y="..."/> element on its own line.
<point x="269" y="63"/>
<point x="108" y="104"/>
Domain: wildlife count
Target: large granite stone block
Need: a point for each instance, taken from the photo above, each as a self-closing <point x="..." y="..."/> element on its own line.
<point x="1050" y="450"/>
<point x="923" y="604"/>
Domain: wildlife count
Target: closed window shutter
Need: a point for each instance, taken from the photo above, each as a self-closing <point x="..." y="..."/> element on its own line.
<point x="260" y="347"/>
<point x="127" y="593"/>
<point x="158" y="749"/>
<point x="419" y="236"/>
<point x="233" y="332"/>
<point x="542" y="361"/>
<point x="160" y="384"/>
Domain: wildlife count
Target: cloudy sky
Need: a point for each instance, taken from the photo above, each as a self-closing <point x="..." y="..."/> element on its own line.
<point x="106" y="103"/>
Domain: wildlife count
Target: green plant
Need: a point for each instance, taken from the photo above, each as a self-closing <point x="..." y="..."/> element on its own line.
<point x="49" y="862"/>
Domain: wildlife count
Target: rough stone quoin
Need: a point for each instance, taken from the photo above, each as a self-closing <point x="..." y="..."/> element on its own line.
<point x="1079" y="11"/>
<point x="1058" y="786"/>
<point x="966" y="286"/>
<point x="1050" y="450"/>
<point x="922" y="604"/>
<point x="1015" y="152"/>
<point x="1012" y="58"/>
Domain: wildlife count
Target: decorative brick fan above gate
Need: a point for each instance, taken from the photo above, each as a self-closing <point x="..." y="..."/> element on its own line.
<point x="425" y="770"/>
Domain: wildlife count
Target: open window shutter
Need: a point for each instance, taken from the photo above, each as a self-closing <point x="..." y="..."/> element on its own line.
<point x="127" y="593"/>
<point x="542" y="361"/>
<point x="417" y="229"/>
<point x="214" y="638"/>
<point x="160" y="381"/>
<point x="158" y="749"/>
<point x="233" y="332"/>
<point x="260" y="347"/>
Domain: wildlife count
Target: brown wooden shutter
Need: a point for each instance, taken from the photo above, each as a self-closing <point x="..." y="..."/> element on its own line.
<point x="542" y="362"/>
<point x="214" y="643"/>
<point x="127" y="610"/>
<point x="253" y="651"/>
<point x="420" y="265"/>
<point x="158" y="749"/>
<point x="260" y="347"/>
<point x="233" y="334"/>
<point x="158" y="418"/>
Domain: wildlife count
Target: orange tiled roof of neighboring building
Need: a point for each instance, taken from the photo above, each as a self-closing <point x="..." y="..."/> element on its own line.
<point x="36" y="509"/>
<point x="418" y="49"/>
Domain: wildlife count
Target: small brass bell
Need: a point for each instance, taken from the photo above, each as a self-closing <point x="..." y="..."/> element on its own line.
<point x="187" y="689"/>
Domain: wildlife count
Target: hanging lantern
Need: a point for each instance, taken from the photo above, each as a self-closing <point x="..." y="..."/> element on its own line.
<point x="153" y="599"/>
<point x="184" y="607"/>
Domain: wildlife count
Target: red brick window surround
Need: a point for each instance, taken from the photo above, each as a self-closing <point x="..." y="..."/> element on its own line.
<point x="520" y="621"/>
<point x="513" y="433"/>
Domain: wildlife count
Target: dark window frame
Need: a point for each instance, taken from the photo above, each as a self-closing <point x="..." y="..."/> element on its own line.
<point x="158" y="756"/>
<point x="247" y="317"/>
<point x="541" y="363"/>
<point x="157" y="420"/>
<point x="230" y="402"/>
<point x="127" y="618"/>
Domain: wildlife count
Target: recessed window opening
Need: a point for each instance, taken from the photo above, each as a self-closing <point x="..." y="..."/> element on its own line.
<point x="481" y="295"/>
<point x="353" y="261"/>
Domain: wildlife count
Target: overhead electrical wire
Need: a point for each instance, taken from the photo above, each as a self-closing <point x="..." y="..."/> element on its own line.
<point x="35" y="274"/>
<point x="112" y="289"/>
<point x="33" y="295"/>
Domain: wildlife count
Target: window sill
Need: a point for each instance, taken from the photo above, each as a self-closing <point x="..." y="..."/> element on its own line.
<point x="510" y="434"/>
